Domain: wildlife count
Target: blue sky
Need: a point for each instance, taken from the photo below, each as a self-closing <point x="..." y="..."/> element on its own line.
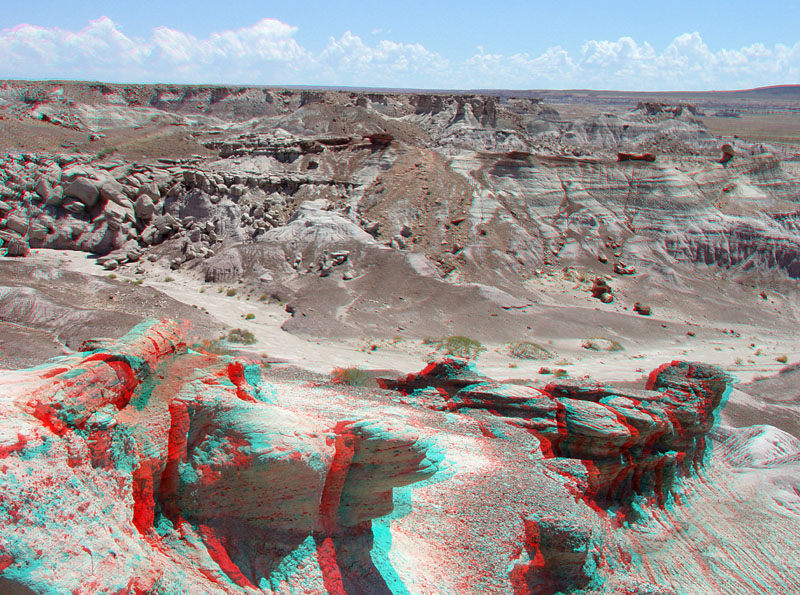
<point x="467" y="44"/>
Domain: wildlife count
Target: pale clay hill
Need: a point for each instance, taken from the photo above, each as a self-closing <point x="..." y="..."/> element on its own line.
<point x="289" y="233"/>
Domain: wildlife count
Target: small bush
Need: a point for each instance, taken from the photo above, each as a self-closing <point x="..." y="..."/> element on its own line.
<point x="352" y="376"/>
<point x="250" y="316"/>
<point x="168" y="279"/>
<point x="461" y="346"/>
<point x="782" y="359"/>
<point x="602" y="344"/>
<point x="112" y="276"/>
<point x="526" y="350"/>
<point x="241" y="336"/>
<point x="106" y="152"/>
<point x="231" y="292"/>
<point x="139" y="281"/>
<point x="560" y="373"/>
<point x="215" y="347"/>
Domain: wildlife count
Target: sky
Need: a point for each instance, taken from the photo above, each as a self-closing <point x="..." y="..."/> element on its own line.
<point x="558" y="44"/>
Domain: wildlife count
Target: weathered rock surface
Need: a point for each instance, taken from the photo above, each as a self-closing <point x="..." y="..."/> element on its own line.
<point x="140" y="462"/>
<point x="148" y="443"/>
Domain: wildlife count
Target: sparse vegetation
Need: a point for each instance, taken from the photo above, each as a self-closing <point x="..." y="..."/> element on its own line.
<point x="139" y="281"/>
<point x="231" y="292"/>
<point x="560" y="373"/>
<point x="352" y="376"/>
<point x="241" y="336"/>
<point x="250" y="316"/>
<point x="112" y="276"/>
<point x="168" y="279"/>
<point x="212" y="347"/>
<point x="527" y="350"/>
<point x="601" y="344"/>
<point x="457" y="346"/>
<point x="103" y="153"/>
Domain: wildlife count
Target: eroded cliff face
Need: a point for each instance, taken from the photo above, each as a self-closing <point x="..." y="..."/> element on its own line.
<point x="462" y="180"/>
<point x="145" y="465"/>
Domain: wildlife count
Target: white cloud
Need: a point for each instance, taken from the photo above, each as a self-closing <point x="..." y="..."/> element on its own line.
<point x="269" y="53"/>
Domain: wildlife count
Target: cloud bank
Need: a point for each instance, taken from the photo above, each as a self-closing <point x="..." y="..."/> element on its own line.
<point x="268" y="53"/>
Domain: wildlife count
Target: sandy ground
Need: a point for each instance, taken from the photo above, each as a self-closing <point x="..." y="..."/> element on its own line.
<point x="731" y="351"/>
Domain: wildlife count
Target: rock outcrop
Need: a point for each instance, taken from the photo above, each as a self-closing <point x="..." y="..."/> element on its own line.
<point x="630" y="441"/>
<point x="143" y="442"/>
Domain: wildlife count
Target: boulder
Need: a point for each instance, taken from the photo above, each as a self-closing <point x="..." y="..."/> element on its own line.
<point x="116" y="213"/>
<point x="18" y="224"/>
<point x="85" y="190"/>
<point x="602" y="291"/>
<point x="37" y="231"/>
<point x="622" y="269"/>
<point x="144" y="207"/>
<point x="55" y="197"/>
<point x="17" y="247"/>
<point x="43" y="189"/>
<point x="150" y="189"/>
<point x="111" y="190"/>
<point x="73" y="205"/>
<point x="727" y="153"/>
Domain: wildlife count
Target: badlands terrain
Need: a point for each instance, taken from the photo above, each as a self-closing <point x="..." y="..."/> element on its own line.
<point x="263" y="340"/>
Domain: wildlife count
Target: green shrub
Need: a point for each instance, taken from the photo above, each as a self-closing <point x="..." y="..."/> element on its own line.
<point x="139" y="281"/>
<point x="168" y="279"/>
<point x="560" y="373"/>
<point x="527" y="350"/>
<point x="112" y="276"/>
<point x="241" y="336"/>
<point x="250" y="316"/>
<point x="352" y="376"/>
<point x="461" y="346"/>
<point x="106" y="152"/>
<point x="231" y="292"/>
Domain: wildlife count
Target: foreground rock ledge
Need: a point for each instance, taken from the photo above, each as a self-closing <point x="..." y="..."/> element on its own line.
<point x="144" y="466"/>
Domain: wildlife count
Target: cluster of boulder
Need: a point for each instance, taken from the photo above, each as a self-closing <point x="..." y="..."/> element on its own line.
<point x="602" y="291"/>
<point x="70" y="202"/>
<point x="120" y="210"/>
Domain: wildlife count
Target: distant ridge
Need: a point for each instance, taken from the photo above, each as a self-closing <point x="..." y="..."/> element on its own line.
<point x="777" y="92"/>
